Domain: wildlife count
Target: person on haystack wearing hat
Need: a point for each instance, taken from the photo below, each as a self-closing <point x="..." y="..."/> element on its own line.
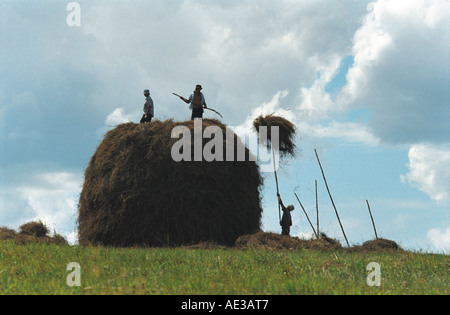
<point x="286" y="219"/>
<point x="197" y="101"/>
<point x="148" y="108"/>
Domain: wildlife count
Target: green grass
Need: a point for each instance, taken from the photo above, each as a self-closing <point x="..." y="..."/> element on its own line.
<point x="41" y="269"/>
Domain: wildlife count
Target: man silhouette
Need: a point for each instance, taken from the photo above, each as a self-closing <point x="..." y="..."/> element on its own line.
<point x="286" y="219"/>
<point x="148" y="108"/>
<point x="197" y="101"/>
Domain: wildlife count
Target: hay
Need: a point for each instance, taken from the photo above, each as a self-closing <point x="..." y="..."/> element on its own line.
<point x="271" y="241"/>
<point x="6" y="233"/>
<point x="37" y="229"/>
<point x="379" y="245"/>
<point x="31" y="232"/>
<point x="287" y="133"/>
<point x="24" y="239"/>
<point x="135" y="194"/>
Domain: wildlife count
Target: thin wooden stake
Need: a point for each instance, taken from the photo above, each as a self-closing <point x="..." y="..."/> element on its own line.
<point x="276" y="181"/>
<point x="306" y="215"/>
<point x="335" y="210"/>
<point x="373" y="222"/>
<point x="317" y="211"/>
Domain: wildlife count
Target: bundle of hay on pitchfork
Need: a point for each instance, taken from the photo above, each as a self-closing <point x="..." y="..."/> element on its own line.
<point x="286" y="129"/>
<point x="284" y="144"/>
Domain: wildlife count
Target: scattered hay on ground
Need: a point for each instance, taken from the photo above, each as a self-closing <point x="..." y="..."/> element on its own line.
<point x="205" y="245"/>
<point x="272" y="241"/>
<point x="23" y="239"/>
<point x="287" y="133"/>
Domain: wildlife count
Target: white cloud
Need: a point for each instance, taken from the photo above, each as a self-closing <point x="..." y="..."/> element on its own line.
<point x="315" y="103"/>
<point x="441" y="240"/>
<point x="400" y="70"/>
<point x="429" y="170"/>
<point x="271" y="107"/>
<point x="118" y="116"/>
<point x="348" y="131"/>
<point x="51" y="197"/>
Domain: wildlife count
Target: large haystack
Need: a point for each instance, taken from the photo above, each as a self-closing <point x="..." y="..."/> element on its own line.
<point x="136" y="194"/>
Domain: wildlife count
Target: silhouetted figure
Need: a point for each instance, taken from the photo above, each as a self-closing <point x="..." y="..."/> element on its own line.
<point x="286" y="219"/>
<point x="197" y="101"/>
<point x="148" y="108"/>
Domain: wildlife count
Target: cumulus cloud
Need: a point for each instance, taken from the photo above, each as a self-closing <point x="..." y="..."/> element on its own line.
<point x="242" y="52"/>
<point x="118" y="116"/>
<point x="440" y="239"/>
<point x="347" y="131"/>
<point x="400" y="70"/>
<point x="429" y="170"/>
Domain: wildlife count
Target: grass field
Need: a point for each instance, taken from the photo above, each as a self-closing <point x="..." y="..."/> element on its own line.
<point x="42" y="269"/>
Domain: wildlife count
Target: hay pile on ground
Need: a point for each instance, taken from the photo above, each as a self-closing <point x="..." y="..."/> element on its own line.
<point x="287" y="133"/>
<point x="6" y="233"/>
<point x="31" y="232"/>
<point x="272" y="241"/>
<point x="379" y="245"/>
<point x="37" y="229"/>
<point x="134" y="192"/>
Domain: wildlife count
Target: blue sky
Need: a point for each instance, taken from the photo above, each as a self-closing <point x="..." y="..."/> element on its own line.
<point x="365" y="82"/>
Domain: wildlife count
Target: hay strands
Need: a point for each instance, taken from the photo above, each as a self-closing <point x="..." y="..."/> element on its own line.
<point x="283" y="141"/>
<point x="334" y="206"/>
<point x="315" y="233"/>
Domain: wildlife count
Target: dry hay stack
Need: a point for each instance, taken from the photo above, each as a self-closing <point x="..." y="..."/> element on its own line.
<point x="287" y="133"/>
<point x="135" y="194"/>
<point x="37" y="229"/>
<point x="378" y="245"/>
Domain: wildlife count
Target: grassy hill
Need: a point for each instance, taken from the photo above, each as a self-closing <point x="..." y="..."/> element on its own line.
<point x="37" y="268"/>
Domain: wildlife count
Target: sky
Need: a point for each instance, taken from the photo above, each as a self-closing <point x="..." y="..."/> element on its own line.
<point x="366" y="84"/>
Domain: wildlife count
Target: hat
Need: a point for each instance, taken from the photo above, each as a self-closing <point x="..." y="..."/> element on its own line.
<point x="146" y="91"/>
<point x="198" y="86"/>
<point x="290" y="208"/>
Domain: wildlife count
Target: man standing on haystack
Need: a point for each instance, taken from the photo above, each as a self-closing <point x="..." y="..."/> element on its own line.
<point x="197" y="101"/>
<point x="148" y="108"/>
<point x="286" y="219"/>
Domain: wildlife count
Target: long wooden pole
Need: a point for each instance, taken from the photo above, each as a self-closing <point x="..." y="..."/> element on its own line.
<point x="373" y="222"/>
<point x="276" y="181"/>
<point x="315" y="233"/>
<point x="335" y="210"/>
<point x="317" y="211"/>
